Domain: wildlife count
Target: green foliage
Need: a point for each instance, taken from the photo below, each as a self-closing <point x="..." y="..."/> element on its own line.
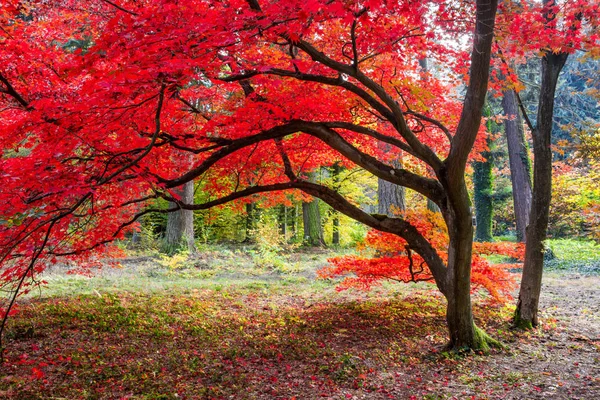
<point x="572" y="193"/>
<point x="575" y="255"/>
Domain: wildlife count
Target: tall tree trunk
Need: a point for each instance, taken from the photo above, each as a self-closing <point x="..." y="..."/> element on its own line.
<point x="251" y="220"/>
<point x="482" y="188"/>
<point x="311" y="218"/>
<point x="526" y="314"/>
<point x="336" y="170"/>
<point x="390" y="197"/>
<point x="180" y="224"/>
<point x="282" y="217"/>
<point x="335" y="235"/>
<point x="295" y="221"/>
<point x="520" y="165"/>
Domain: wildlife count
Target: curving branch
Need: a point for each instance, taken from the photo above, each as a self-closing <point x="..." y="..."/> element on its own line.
<point x="399" y="122"/>
<point x="394" y="225"/>
<point x="426" y="186"/>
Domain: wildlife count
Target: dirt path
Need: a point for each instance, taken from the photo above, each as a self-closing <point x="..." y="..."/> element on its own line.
<point x="559" y="361"/>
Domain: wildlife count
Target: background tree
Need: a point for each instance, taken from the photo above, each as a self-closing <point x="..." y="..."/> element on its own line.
<point x="564" y="33"/>
<point x="180" y="224"/>
<point x="520" y="164"/>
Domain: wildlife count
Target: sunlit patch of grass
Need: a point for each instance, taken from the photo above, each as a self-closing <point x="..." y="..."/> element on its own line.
<point x="575" y="255"/>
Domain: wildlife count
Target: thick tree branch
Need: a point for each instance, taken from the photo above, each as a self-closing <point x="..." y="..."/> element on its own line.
<point x="11" y="91"/>
<point x="470" y="118"/>
<point x="426" y="186"/>
<point x="397" y="226"/>
<point x="399" y="122"/>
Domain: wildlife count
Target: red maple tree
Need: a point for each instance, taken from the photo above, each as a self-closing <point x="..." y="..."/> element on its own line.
<point x="106" y="105"/>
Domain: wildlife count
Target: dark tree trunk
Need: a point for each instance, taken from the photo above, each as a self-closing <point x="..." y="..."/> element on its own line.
<point x="520" y="165"/>
<point x="335" y="235"/>
<point x="295" y="222"/>
<point x="336" y="170"/>
<point x="526" y="315"/>
<point x="482" y="188"/>
<point x="283" y="223"/>
<point x="251" y="220"/>
<point x="459" y="314"/>
<point x="180" y="224"/>
<point x="482" y="183"/>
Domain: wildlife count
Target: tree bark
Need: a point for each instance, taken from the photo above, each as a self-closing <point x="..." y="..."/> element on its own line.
<point x="283" y="220"/>
<point x="180" y="224"/>
<point x="390" y="197"/>
<point x="520" y="165"/>
<point x="336" y="170"/>
<point x="482" y="188"/>
<point x="251" y="220"/>
<point x="526" y="314"/>
<point x="311" y="218"/>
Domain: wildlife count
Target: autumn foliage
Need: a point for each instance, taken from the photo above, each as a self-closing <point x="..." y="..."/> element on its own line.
<point x="387" y="258"/>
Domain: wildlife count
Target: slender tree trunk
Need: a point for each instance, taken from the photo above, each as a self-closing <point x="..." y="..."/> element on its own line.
<point x="482" y="188"/>
<point x="526" y="314"/>
<point x="311" y="219"/>
<point x="520" y="165"/>
<point x="180" y="224"/>
<point x="251" y="220"/>
<point x="336" y="170"/>
<point x="283" y="220"/>
<point x="390" y="197"/>
<point x="335" y="235"/>
<point x="295" y="221"/>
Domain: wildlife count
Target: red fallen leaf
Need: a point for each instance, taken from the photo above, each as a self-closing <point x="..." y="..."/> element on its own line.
<point x="37" y="374"/>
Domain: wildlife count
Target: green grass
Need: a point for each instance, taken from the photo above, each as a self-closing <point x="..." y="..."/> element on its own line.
<point x="575" y="255"/>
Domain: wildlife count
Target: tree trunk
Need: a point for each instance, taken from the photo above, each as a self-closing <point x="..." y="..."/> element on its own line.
<point x="526" y="314"/>
<point x="311" y="218"/>
<point x="251" y="220"/>
<point x="520" y="165"/>
<point x="335" y="235"/>
<point x="390" y="197"/>
<point x="180" y="224"/>
<point x="482" y="188"/>
<point x="295" y="221"/>
<point x="282" y="216"/>
<point x="336" y="170"/>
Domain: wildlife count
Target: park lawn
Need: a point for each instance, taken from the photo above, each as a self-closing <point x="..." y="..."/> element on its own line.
<point x="223" y="328"/>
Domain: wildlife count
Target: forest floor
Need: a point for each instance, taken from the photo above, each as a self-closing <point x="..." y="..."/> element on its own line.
<point x="231" y="325"/>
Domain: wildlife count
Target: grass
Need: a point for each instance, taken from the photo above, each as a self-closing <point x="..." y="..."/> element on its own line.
<point x="575" y="255"/>
<point x="218" y="343"/>
<point x="225" y="322"/>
